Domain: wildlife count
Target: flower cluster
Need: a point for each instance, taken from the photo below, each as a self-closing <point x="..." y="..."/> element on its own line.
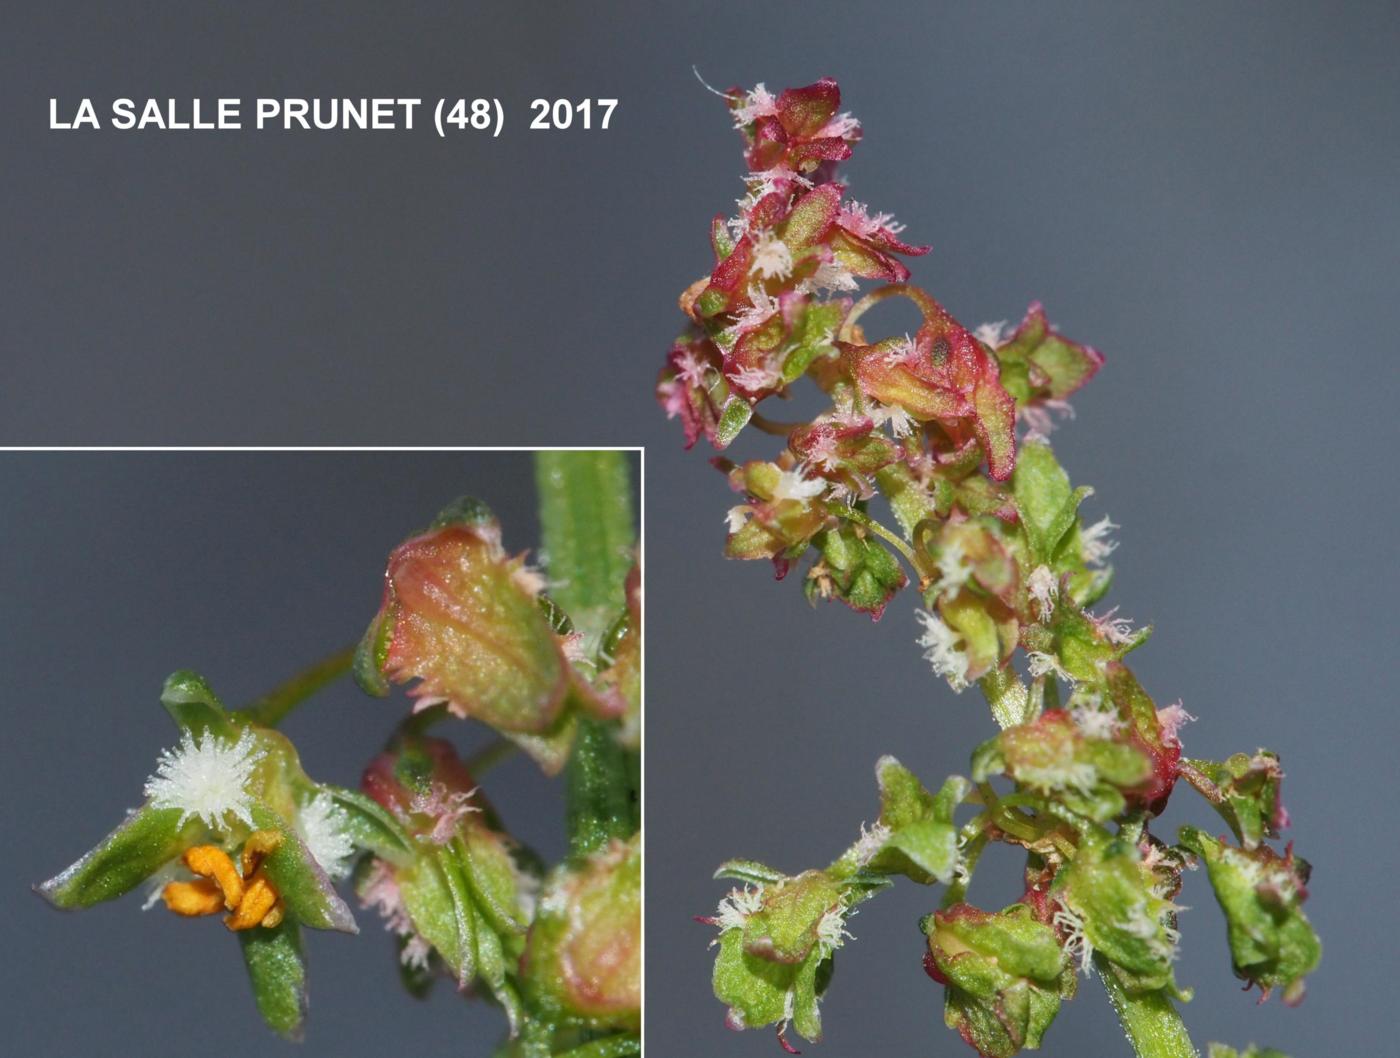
<point x="233" y="826"/>
<point x="949" y="428"/>
<point x="928" y="421"/>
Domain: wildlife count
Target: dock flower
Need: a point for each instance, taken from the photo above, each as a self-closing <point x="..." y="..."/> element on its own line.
<point x="231" y="826"/>
<point x="470" y="627"/>
<point x="583" y="957"/>
<point x="453" y="886"/>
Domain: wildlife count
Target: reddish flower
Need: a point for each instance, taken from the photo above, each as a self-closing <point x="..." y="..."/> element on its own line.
<point x="797" y="131"/>
<point x="942" y="375"/>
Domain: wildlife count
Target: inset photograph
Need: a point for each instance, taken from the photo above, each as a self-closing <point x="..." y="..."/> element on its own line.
<point x="351" y="732"/>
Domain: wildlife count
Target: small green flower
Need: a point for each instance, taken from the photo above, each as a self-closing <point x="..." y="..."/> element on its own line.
<point x="1004" y="974"/>
<point x="231" y="824"/>
<point x="1272" y="944"/>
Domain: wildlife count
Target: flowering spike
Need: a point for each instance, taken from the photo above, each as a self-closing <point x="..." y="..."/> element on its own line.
<point x="990" y="528"/>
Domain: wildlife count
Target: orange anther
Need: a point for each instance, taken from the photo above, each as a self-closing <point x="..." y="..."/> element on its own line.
<point x="209" y="861"/>
<point x="259" y="901"/>
<point x="260" y="844"/>
<point x="250" y="897"/>
<point x="200" y="897"/>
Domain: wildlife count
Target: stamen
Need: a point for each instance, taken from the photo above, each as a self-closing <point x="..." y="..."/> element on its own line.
<point x="250" y="898"/>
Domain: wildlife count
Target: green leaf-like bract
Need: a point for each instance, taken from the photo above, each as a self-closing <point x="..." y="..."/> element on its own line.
<point x="146" y="841"/>
<point x="277" y="972"/>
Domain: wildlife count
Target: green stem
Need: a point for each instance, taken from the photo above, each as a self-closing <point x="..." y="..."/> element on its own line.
<point x="272" y="708"/>
<point x="1151" y="1022"/>
<point x="863" y="519"/>
<point x="586" y="522"/>
<point x="489" y="755"/>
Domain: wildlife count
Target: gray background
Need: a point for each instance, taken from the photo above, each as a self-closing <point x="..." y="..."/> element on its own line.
<point x="1205" y="191"/>
<point x="122" y="567"/>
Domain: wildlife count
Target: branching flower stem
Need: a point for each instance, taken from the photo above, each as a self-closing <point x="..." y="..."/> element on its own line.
<point x="274" y="706"/>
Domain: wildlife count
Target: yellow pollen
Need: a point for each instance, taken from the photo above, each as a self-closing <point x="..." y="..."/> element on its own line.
<point x="250" y="897"/>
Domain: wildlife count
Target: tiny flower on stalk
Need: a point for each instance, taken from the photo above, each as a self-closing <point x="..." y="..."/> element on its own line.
<point x="231" y="826"/>
<point x="451" y="885"/>
<point x="468" y="626"/>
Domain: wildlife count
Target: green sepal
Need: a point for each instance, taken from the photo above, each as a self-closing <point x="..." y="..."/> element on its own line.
<point x="277" y="972"/>
<point x="856" y="569"/>
<point x="1047" y="505"/>
<point x="753" y="988"/>
<point x="1082" y="651"/>
<point x="989" y="631"/>
<point x="1272" y="944"/>
<point x="1088" y="586"/>
<point x="372" y="652"/>
<point x="1112" y="893"/>
<point x="1008" y="697"/>
<point x="923" y="842"/>
<point x="813" y="338"/>
<point x="433" y="907"/>
<point x="720" y="238"/>
<point x="303" y="885"/>
<point x="908" y="499"/>
<point x="1004" y="975"/>
<point x="146" y="840"/>
<point x="1246" y="794"/>
<point x="491" y="872"/>
<point x="735" y="416"/>
<point x="1038" y="363"/>
<point x="370" y="826"/>
<point x="189" y="700"/>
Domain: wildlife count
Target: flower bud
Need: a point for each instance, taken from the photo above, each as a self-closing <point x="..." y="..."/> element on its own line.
<point x="583" y="958"/>
<point x="942" y="375"/>
<point x="455" y="890"/>
<point x="1039" y="366"/>
<point x="1053" y="758"/>
<point x="463" y="619"/>
<point x="1245" y="790"/>
<point x="1272" y="944"/>
<point x="1003" y="973"/>
<point x="1114" y="903"/>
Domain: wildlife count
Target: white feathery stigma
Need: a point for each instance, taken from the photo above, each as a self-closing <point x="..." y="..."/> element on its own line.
<point x="321" y="824"/>
<point x="771" y="256"/>
<point x="990" y="334"/>
<point x="1094" y="544"/>
<point x="206" y="778"/>
<point x="734" y="910"/>
<point x="1039" y="664"/>
<point x="792" y="485"/>
<point x="940" y="650"/>
<point x="1044" y="588"/>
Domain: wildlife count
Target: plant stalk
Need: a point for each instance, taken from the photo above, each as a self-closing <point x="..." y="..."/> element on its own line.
<point x="272" y="708"/>
<point x="1150" y="1021"/>
<point x="586" y="522"/>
